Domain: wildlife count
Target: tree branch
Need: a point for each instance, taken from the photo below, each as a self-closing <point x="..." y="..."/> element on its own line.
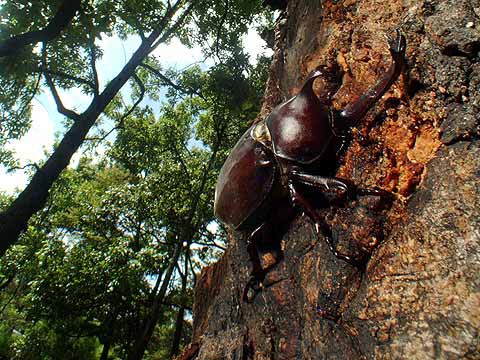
<point x="175" y="26"/>
<point x="139" y="100"/>
<point x="220" y="29"/>
<point x="25" y="167"/>
<point x="91" y="52"/>
<point x="60" y="21"/>
<point x="145" y="334"/>
<point x="58" y="101"/>
<point x="93" y="59"/>
<point x="194" y="275"/>
<point x="127" y="114"/>
<point x="169" y="82"/>
<point x="6" y="282"/>
<point x="179" y="158"/>
<point x="213" y="243"/>
<point x="34" y="92"/>
<point x="14" y="219"/>
<point x="181" y="312"/>
<point x="68" y="76"/>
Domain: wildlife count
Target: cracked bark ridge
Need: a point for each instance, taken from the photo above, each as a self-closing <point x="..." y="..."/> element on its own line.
<point x="419" y="296"/>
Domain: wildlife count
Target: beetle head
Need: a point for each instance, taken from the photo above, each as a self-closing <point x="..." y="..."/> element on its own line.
<point x="299" y="128"/>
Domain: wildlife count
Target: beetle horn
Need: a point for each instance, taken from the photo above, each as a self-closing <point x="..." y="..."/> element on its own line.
<point x="308" y="84"/>
<point x="319" y="71"/>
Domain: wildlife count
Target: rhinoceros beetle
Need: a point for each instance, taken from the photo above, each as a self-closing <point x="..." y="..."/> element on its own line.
<point x="295" y="146"/>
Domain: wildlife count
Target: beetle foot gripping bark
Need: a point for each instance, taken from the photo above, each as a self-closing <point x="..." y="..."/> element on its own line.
<point x="294" y="149"/>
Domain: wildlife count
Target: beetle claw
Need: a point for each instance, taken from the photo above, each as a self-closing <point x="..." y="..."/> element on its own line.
<point x="397" y="44"/>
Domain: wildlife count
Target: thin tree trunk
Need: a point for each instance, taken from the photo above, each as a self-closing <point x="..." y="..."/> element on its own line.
<point x="143" y="339"/>
<point x="106" y="350"/>
<point x="177" y="337"/>
<point x="146" y="332"/>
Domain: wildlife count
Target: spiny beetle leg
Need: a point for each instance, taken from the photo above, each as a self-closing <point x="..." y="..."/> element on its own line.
<point x="324" y="183"/>
<point x="322" y="227"/>
<point x="257" y="274"/>
<point x="257" y="246"/>
<point x="342" y="186"/>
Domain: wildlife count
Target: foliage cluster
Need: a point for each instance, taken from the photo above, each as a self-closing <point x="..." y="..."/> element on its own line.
<point x="112" y="257"/>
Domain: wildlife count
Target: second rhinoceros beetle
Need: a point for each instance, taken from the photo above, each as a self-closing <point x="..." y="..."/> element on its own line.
<point x="295" y="146"/>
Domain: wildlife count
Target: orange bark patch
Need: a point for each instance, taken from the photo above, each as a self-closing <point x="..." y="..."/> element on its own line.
<point x="426" y="145"/>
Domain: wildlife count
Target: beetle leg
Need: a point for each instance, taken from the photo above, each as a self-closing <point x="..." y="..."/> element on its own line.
<point x="352" y="113"/>
<point x="257" y="274"/>
<point x="324" y="183"/>
<point x="344" y="187"/>
<point x="256" y="247"/>
<point x="321" y="227"/>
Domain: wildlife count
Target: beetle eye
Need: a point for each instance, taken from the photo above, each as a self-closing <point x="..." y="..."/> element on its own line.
<point x="261" y="134"/>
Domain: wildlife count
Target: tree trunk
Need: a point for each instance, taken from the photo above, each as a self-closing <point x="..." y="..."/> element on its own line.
<point x="14" y="219"/>
<point x="105" y="351"/>
<point x="177" y="336"/>
<point x="146" y="332"/>
<point x="418" y="297"/>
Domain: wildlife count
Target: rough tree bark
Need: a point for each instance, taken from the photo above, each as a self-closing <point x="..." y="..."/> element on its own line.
<point x="419" y="296"/>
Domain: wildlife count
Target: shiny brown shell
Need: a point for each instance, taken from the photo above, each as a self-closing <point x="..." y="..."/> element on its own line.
<point x="244" y="182"/>
<point x="299" y="128"/>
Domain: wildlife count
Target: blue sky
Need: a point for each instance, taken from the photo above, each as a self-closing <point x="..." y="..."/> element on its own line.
<point x="46" y="121"/>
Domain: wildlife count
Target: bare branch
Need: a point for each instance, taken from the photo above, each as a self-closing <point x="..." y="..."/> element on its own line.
<point x="127" y="114"/>
<point x="139" y="100"/>
<point x="169" y="82"/>
<point x="211" y="238"/>
<point x="103" y="137"/>
<point x="68" y="76"/>
<point x="61" y="109"/>
<point x="25" y="167"/>
<point x="88" y="25"/>
<point x="34" y="92"/>
<point x="93" y="59"/>
<point x="213" y="243"/>
<point x="175" y="26"/>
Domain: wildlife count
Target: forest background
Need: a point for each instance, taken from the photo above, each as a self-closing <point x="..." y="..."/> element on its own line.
<point x="111" y="140"/>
